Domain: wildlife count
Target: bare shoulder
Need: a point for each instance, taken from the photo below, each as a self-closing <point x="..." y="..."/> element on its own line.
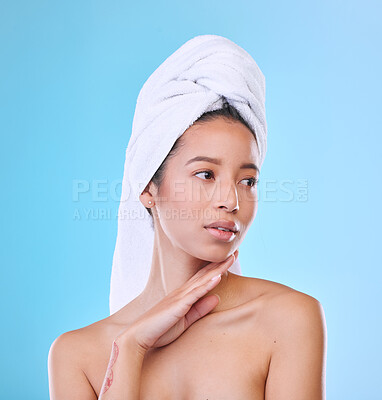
<point x="70" y="354"/>
<point x="280" y="308"/>
<point x="280" y="301"/>
<point x="66" y="376"/>
<point x="75" y="342"/>
<point x="290" y="310"/>
<point x="294" y="331"/>
<point x="80" y="344"/>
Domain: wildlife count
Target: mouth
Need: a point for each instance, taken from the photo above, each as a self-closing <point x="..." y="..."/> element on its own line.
<point x="223" y="234"/>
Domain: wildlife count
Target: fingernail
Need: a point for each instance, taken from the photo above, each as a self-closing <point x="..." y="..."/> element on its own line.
<point x="216" y="277"/>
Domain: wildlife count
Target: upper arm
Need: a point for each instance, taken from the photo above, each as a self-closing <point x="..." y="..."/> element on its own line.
<point x="297" y="366"/>
<point x="66" y="378"/>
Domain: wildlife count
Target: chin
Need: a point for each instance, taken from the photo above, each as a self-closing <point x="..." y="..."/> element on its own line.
<point x="218" y="256"/>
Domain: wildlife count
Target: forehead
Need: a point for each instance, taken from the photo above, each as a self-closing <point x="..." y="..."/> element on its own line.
<point x="220" y="138"/>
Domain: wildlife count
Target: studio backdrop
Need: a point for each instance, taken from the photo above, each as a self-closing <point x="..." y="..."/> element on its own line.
<point x="70" y="76"/>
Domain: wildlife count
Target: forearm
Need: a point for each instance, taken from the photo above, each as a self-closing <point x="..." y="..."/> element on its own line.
<point x="123" y="376"/>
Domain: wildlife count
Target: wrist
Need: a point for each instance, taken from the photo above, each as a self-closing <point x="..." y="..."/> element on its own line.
<point x="128" y="341"/>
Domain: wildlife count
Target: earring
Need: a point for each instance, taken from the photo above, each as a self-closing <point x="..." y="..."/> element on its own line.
<point x="150" y="202"/>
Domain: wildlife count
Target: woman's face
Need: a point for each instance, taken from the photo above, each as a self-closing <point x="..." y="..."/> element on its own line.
<point x="197" y="193"/>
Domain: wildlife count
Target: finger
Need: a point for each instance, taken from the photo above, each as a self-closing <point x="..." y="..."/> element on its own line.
<point x="205" y="284"/>
<point x="190" y="298"/>
<point x="202" y="279"/>
<point x="201" y="308"/>
<point x="212" y="266"/>
<point x="224" y="266"/>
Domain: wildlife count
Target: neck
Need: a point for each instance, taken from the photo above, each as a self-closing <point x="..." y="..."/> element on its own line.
<point x="171" y="268"/>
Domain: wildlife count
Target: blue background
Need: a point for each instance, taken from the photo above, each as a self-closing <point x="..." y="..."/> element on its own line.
<point x="70" y="76"/>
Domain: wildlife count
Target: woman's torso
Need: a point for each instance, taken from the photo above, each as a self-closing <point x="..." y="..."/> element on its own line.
<point x="224" y="355"/>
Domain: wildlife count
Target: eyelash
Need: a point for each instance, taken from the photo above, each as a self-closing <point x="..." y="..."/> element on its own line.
<point x="254" y="180"/>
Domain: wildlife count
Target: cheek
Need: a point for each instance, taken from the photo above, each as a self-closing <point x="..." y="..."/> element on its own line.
<point x="252" y="205"/>
<point x="183" y="228"/>
<point x="179" y="212"/>
<point x="248" y="208"/>
<point x="188" y="195"/>
<point x="196" y="191"/>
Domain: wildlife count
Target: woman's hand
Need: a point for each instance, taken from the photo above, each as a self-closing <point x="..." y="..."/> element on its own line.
<point x="169" y="318"/>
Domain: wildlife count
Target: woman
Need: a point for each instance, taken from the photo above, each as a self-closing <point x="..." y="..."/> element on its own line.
<point x="186" y="335"/>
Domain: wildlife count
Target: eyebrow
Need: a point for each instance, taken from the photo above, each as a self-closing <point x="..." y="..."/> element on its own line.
<point x="219" y="162"/>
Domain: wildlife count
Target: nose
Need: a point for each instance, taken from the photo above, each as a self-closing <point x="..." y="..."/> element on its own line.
<point x="227" y="198"/>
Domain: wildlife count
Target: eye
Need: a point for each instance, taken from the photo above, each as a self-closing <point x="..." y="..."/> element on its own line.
<point x="209" y="172"/>
<point x="253" y="181"/>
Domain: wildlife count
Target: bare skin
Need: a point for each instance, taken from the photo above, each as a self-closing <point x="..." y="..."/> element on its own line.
<point x="263" y="340"/>
<point x="258" y="326"/>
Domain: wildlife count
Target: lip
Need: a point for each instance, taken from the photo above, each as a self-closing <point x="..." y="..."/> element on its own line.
<point x="223" y="223"/>
<point x="222" y="235"/>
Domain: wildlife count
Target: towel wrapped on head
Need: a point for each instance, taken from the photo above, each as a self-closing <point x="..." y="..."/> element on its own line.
<point x="203" y="74"/>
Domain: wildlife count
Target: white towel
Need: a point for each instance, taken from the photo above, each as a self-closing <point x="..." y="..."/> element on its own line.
<point x="193" y="80"/>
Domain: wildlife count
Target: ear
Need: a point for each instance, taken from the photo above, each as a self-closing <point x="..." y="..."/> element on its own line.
<point x="148" y="194"/>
